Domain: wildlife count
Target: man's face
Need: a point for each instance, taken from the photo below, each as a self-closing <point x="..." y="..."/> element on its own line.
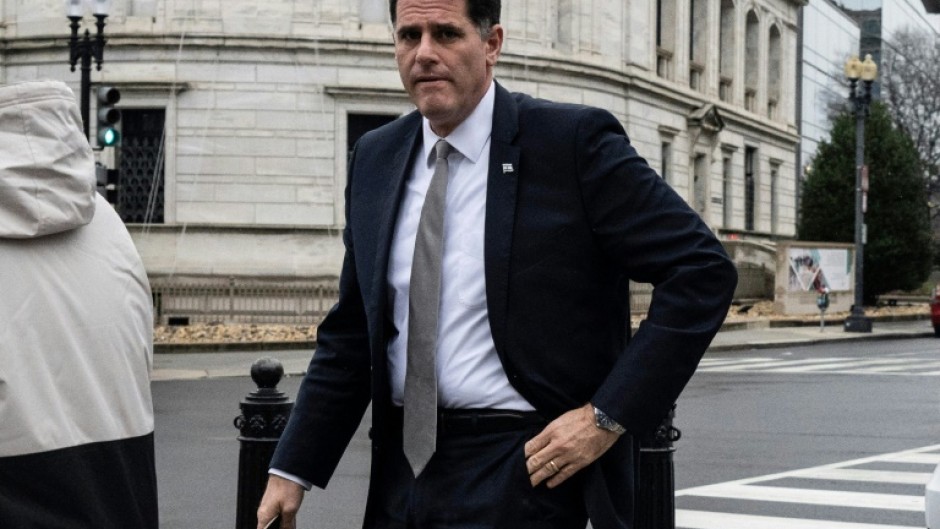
<point x="444" y="63"/>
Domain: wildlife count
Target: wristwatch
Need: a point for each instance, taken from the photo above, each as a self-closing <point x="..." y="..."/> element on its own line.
<point x="604" y="421"/>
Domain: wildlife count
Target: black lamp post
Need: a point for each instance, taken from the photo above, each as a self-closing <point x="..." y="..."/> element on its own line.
<point x="86" y="48"/>
<point x="860" y="98"/>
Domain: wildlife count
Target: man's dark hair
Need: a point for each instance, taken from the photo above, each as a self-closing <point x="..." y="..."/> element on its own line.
<point x="482" y="13"/>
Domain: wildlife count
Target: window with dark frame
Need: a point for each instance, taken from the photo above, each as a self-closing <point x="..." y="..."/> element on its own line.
<point x="140" y="163"/>
<point x="750" y="187"/>
<point x="359" y="124"/>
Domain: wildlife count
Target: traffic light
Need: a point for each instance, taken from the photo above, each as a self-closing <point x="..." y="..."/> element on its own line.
<point x="108" y="116"/>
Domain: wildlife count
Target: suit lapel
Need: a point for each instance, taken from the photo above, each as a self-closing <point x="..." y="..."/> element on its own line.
<point x="501" y="188"/>
<point x="396" y="174"/>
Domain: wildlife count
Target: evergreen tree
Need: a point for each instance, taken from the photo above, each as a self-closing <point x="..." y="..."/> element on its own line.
<point x="898" y="253"/>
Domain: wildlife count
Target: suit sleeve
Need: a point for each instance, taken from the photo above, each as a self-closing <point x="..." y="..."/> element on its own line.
<point x="651" y="234"/>
<point x="335" y="392"/>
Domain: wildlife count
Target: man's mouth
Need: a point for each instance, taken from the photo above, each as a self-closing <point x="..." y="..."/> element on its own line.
<point x="427" y="79"/>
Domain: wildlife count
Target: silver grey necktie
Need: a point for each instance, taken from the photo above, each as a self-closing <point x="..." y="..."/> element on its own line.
<point x="420" y="422"/>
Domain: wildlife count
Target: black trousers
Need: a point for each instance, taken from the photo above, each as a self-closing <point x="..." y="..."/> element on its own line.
<point x="477" y="479"/>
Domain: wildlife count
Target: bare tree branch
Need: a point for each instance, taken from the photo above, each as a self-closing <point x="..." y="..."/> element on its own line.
<point x="910" y="83"/>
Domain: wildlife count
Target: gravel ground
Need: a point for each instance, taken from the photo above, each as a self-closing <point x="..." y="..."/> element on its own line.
<point x="201" y="333"/>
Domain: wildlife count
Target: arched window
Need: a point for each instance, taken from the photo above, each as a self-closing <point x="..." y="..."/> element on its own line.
<point x="774" y="74"/>
<point x="698" y="42"/>
<point x="665" y="37"/>
<point x="751" y="60"/>
<point x="726" y="51"/>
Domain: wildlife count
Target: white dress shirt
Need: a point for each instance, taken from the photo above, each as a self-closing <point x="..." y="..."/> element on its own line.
<point x="469" y="373"/>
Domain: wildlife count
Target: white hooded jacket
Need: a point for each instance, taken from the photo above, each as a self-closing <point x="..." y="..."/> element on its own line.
<point x="76" y="324"/>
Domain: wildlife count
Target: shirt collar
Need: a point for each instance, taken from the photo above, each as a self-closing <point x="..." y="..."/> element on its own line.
<point x="469" y="137"/>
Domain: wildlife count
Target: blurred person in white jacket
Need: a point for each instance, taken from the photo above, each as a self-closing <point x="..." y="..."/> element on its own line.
<point x="76" y="331"/>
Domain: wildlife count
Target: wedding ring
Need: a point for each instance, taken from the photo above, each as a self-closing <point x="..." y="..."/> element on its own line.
<point x="553" y="466"/>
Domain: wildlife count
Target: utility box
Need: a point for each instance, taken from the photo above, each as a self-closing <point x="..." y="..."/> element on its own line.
<point x="805" y="269"/>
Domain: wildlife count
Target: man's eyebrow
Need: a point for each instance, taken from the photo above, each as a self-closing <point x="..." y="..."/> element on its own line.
<point x="436" y="28"/>
<point x="446" y="26"/>
<point x="405" y="29"/>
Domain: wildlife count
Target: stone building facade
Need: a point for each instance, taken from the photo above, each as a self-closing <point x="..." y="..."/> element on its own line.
<point x="239" y="114"/>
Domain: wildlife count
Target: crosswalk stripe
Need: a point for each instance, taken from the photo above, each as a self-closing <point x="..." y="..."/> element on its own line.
<point x="688" y="519"/>
<point x="712" y="362"/>
<point x="924" y="458"/>
<point x="930" y="450"/>
<point x="886" y="366"/>
<point x="888" y="369"/>
<point x="782" y="362"/>
<point x="878" y="476"/>
<point x="843" y="363"/>
<point x="756" y="489"/>
<point x="835" y="498"/>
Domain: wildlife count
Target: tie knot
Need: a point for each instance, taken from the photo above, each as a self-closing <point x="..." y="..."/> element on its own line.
<point x="442" y="149"/>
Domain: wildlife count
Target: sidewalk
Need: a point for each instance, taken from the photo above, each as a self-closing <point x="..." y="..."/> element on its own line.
<point x="177" y="363"/>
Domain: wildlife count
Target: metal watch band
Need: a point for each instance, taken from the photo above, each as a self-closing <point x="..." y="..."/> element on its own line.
<point x="602" y="420"/>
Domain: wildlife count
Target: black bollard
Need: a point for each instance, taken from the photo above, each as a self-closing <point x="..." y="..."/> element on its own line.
<point x="656" y="497"/>
<point x="264" y="415"/>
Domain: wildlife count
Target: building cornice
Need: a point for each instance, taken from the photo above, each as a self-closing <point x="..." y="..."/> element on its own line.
<point x="619" y="82"/>
<point x="366" y="92"/>
<point x="636" y="80"/>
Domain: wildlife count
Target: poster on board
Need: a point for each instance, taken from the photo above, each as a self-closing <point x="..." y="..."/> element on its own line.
<point x="819" y="268"/>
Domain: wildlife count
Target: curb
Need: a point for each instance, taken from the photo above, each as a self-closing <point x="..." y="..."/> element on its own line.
<point x="810" y="342"/>
<point x="226" y="347"/>
<point x="808" y="322"/>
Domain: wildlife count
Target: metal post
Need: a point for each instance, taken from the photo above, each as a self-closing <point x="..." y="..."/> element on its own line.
<point x="656" y="497"/>
<point x="857" y="321"/>
<point x="85" y="49"/>
<point x="264" y="415"/>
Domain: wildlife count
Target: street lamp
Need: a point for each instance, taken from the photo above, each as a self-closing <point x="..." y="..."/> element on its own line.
<point x="86" y="48"/>
<point x="860" y="99"/>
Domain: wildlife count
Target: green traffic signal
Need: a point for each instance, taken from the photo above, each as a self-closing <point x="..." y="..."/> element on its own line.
<point x="108" y="116"/>
<point x="108" y="137"/>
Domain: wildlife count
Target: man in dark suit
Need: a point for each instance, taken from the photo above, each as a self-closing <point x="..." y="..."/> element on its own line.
<point x="547" y="213"/>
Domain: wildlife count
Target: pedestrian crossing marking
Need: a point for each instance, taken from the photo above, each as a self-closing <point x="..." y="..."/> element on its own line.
<point x="933" y="450"/>
<point x="921" y="458"/>
<point x="812" y="364"/>
<point x="876" y="476"/>
<point x="833" y="498"/>
<point x="760" y="489"/>
<point x="719" y="520"/>
<point x="888" y="369"/>
<point x="734" y="361"/>
<point x="901" y="364"/>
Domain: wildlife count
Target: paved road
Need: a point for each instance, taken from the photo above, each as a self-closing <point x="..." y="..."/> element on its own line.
<point x="768" y="416"/>
<point x="841" y="436"/>
<point x="197" y="459"/>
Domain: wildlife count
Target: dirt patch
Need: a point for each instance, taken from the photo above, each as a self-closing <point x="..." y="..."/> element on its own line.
<point x="204" y="333"/>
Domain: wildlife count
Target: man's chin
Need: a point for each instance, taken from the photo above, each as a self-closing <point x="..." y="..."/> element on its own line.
<point x="434" y="110"/>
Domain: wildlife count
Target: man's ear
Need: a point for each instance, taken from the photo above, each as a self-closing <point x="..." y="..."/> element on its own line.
<point x="494" y="44"/>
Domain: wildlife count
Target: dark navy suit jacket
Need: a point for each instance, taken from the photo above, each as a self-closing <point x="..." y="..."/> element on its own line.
<point x="578" y="214"/>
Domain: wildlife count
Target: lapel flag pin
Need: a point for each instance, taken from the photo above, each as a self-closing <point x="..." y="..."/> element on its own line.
<point x="507" y="168"/>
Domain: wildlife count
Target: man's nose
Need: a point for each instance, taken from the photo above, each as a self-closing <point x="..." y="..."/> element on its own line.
<point x="427" y="49"/>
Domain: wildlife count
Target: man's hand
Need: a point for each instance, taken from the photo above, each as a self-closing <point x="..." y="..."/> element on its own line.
<point x="568" y="444"/>
<point x="281" y="497"/>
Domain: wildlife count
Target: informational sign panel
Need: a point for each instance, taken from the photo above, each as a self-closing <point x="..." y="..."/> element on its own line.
<point x="817" y="268"/>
